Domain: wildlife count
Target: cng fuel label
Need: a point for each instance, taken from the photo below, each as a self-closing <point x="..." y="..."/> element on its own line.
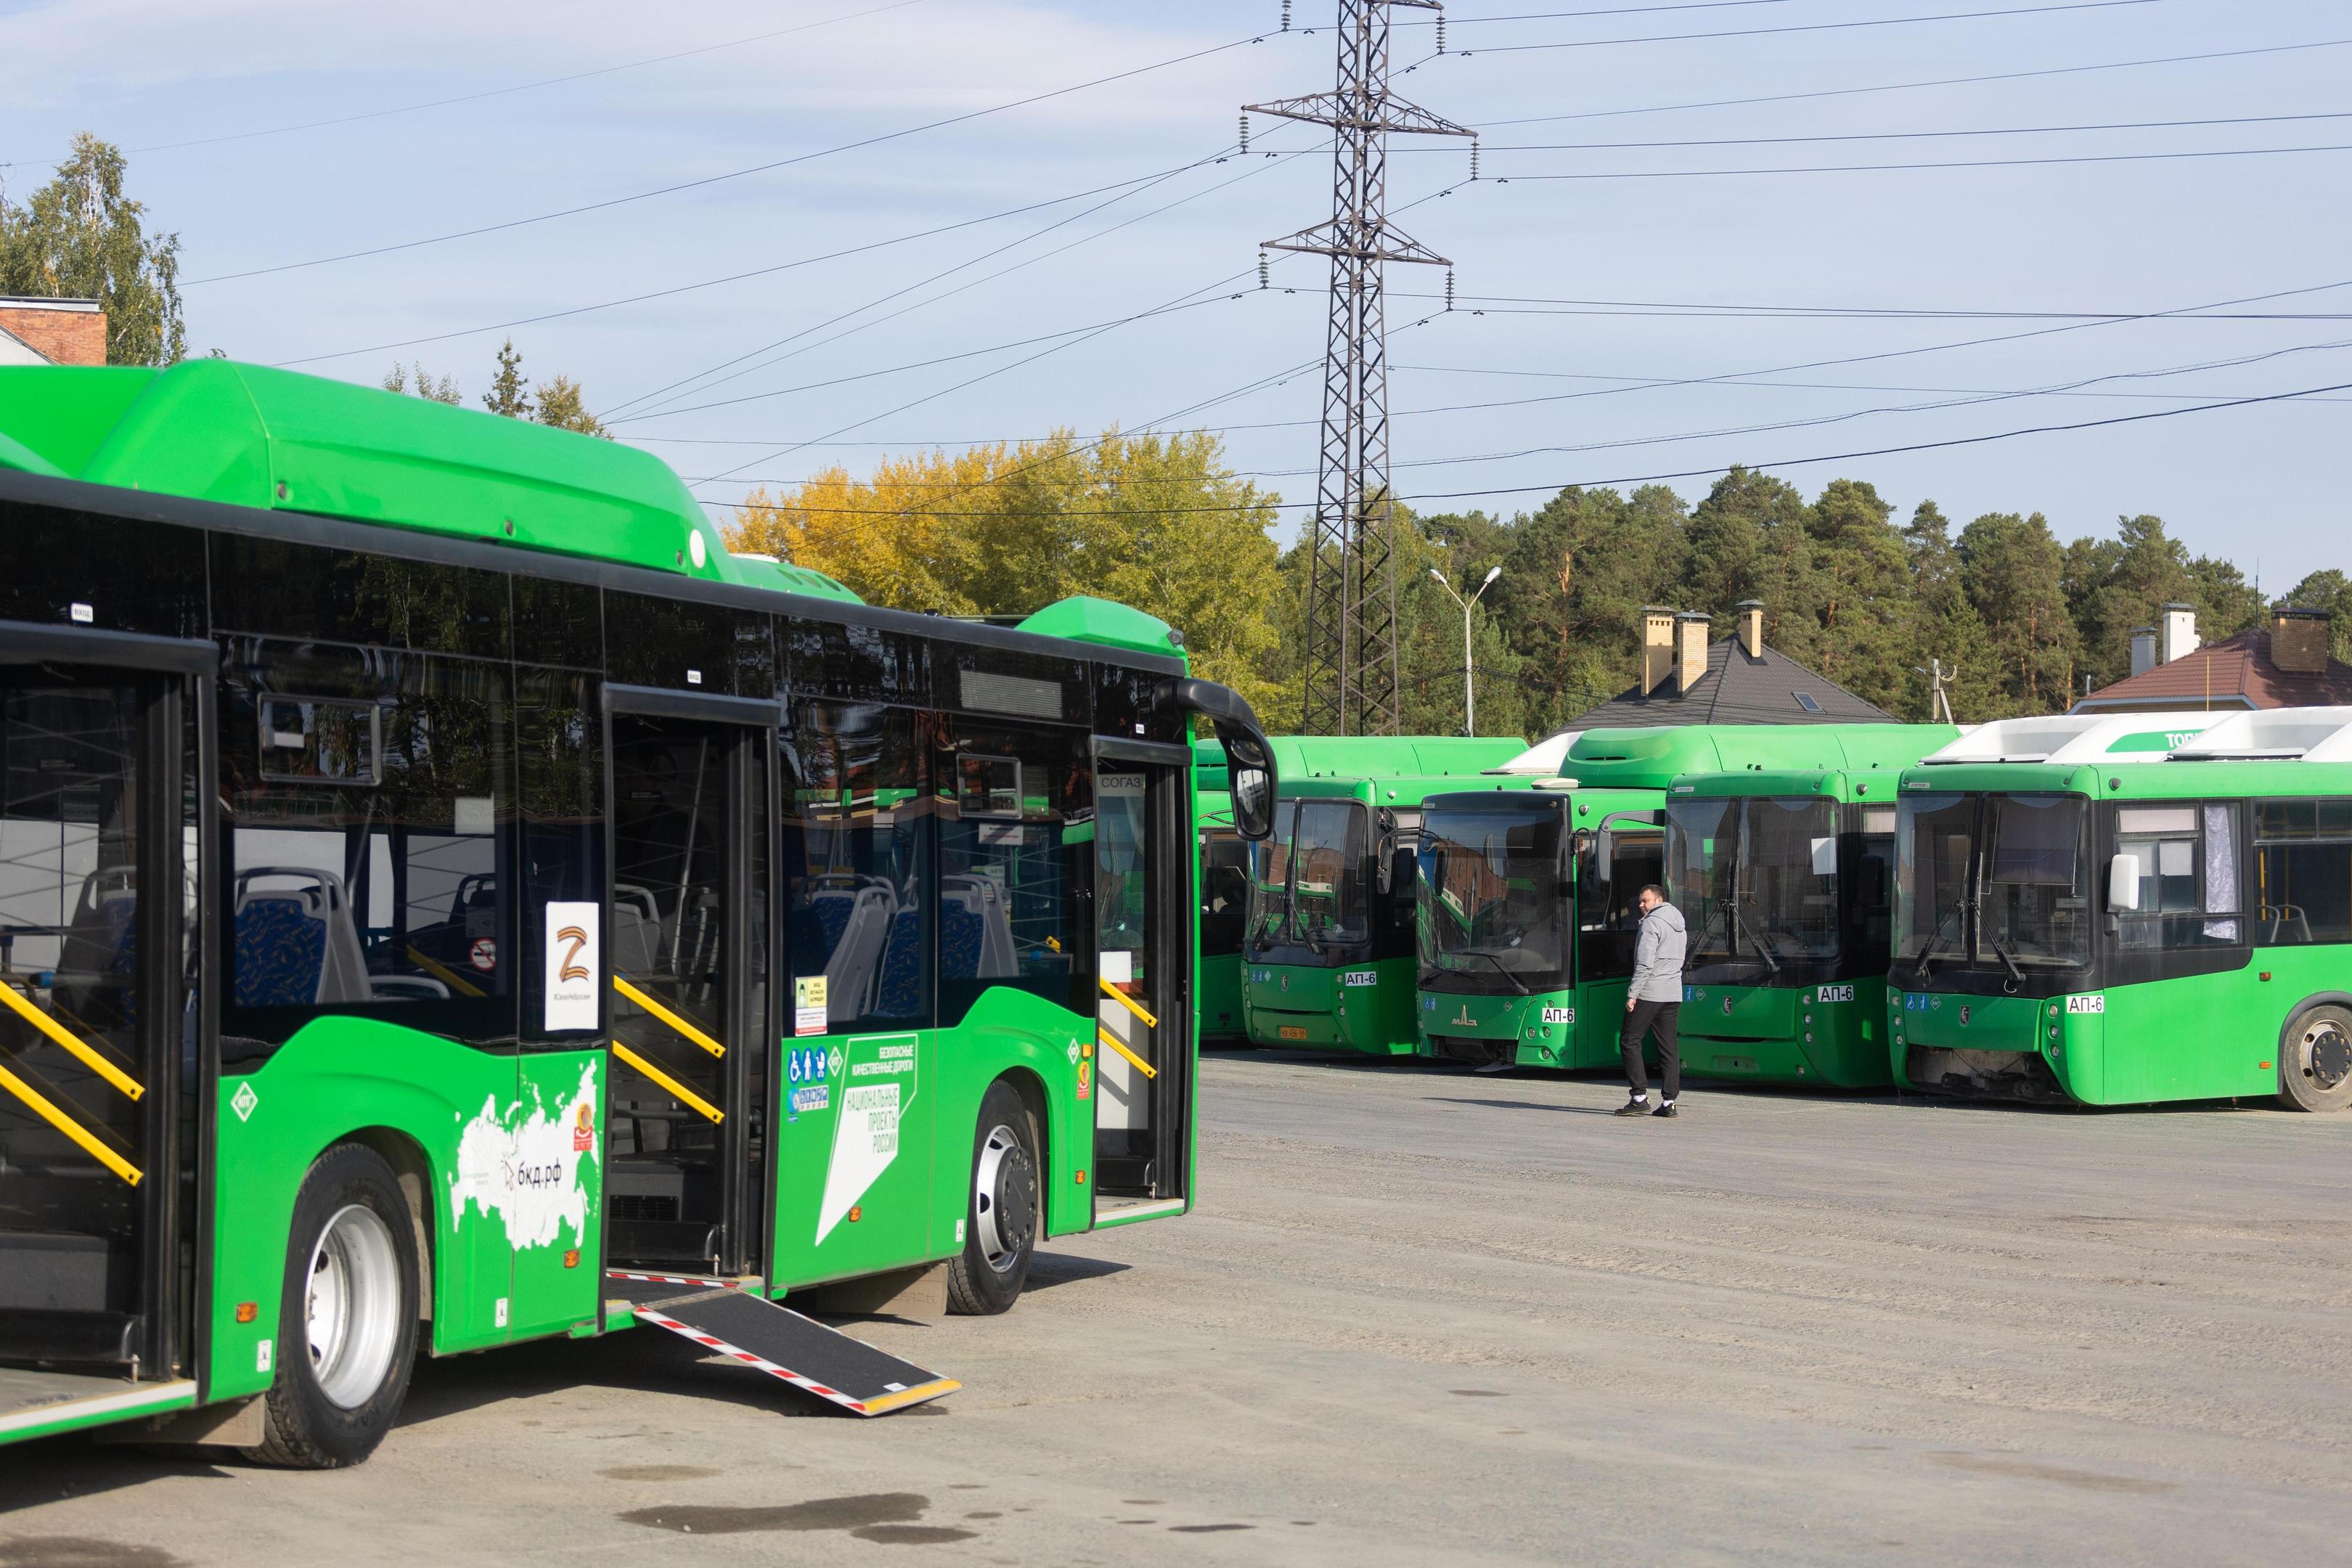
<point x="877" y="1086"/>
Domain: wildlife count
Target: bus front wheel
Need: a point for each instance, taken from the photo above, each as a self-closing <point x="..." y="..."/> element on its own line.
<point x="2316" y="1062"/>
<point x="347" y="1330"/>
<point x="1000" y="1222"/>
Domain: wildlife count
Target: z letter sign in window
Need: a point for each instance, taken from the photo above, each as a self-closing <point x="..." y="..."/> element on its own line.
<point x="574" y="963"/>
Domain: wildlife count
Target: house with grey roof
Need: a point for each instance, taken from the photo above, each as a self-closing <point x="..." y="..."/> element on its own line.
<point x="1691" y="677"/>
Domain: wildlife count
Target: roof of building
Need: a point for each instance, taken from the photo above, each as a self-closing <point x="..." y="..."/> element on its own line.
<point x="2235" y="672"/>
<point x="1738" y="688"/>
<point x="15" y="350"/>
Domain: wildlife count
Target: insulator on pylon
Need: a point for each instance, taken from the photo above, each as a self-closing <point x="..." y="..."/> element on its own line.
<point x="1474" y="157"/>
<point x="1285" y="16"/>
<point x="1449" y="288"/>
<point x="1245" y="131"/>
<point x="1261" y="269"/>
<point x="1441" y="32"/>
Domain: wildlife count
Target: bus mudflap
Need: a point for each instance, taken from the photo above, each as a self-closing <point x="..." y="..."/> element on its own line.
<point x="721" y="1316"/>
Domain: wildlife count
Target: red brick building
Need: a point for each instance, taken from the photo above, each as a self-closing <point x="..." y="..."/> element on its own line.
<point x="2285" y="664"/>
<point x="52" y="331"/>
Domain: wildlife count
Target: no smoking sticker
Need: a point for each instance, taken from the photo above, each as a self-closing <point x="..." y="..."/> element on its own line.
<point x="483" y="955"/>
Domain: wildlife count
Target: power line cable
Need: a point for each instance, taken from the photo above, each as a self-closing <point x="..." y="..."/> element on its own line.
<point x="1889" y="135"/>
<point x="1912" y="86"/>
<point x="1809" y="27"/>
<point x="508" y="91"/>
<point x="1913" y="168"/>
<point x="730" y="174"/>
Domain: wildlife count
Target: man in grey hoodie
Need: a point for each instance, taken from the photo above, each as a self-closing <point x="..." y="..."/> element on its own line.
<point x="1653" y="1003"/>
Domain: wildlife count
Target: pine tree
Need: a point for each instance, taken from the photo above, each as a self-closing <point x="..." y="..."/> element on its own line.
<point x="506" y="395"/>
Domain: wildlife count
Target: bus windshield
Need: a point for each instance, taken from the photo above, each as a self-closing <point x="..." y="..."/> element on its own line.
<point x="1991" y="882"/>
<point x="1757" y="878"/>
<point x="1306" y="879"/>
<point x="1491" y="890"/>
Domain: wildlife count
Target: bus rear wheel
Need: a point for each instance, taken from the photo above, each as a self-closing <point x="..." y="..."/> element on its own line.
<point x="347" y="1328"/>
<point x="1001" y="1225"/>
<point x="2316" y="1062"/>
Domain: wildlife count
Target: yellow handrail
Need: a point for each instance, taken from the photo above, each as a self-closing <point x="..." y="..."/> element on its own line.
<point x="1130" y="1003"/>
<point x="88" y="1057"/>
<point x="676" y="1089"/>
<point x="1145" y="1067"/>
<point x="445" y="974"/>
<point x="621" y="984"/>
<point x="66" y="1124"/>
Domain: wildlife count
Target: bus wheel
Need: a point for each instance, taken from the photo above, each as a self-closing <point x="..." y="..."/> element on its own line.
<point x="347" y="1331"/>
<point x="2316" y="1062"/>
<point x="1000" y="1233"/>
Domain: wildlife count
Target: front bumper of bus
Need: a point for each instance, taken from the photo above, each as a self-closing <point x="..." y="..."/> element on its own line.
<point x="1827" y="1033"/>
<point x="1350" y="1009"/>
<point x="2040" y="1050"/>
<point x="1535" y="1030"/>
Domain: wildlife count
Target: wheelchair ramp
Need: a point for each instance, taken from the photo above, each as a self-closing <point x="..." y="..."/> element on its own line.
<point x="36" y="1403"/>
<point x="719" y="1316"/>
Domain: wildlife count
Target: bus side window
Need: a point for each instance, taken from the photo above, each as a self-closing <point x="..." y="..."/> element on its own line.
<point x="370" y="813"/>
<point x="2189" y="875"/>
<point x="1013" y="875"/>
<point x="858" y="899"/>
<point x="2304" y="871"/>
<point x="560" y="757"/>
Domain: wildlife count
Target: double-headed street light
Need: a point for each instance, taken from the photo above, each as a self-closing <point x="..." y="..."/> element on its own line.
<point x="1469" y="688"/>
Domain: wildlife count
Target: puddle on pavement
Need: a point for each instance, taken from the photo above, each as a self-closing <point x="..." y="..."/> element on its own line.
<point x="887" y="1519"/>
<point x="82" y="1551"/>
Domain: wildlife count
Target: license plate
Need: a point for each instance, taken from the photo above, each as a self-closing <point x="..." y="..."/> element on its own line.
<point x="1293" y="1032"/>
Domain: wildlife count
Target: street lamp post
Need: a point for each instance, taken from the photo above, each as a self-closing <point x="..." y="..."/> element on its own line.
<point x="1469" y="687"/>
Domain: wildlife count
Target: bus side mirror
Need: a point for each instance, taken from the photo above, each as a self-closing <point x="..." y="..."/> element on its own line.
<point x="2122" y="884"/>
<point x="1605" y="853"/>
<point x="1253" y="797"/>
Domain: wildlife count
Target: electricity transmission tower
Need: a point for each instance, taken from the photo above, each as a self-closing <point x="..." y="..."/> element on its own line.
<point x="1352" y="679"/>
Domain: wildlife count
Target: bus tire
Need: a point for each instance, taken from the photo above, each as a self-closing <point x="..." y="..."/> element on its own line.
<point x="347" y="1327"/>
<point x="1003" y="1209"/>
<point x="2316" y="1060"/>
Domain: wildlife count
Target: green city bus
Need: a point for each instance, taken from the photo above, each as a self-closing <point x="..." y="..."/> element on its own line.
<point x="1527" y="915"/>
<point x="442" y="889"/>
<point x="2121" y="910"/>
<point x="1225" y="899"/>
<point x="1329" y="956"/>
<point x="1784" y="873"/>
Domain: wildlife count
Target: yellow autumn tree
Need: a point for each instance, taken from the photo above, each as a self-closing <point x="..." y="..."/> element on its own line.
<point x="1156" y="522"/>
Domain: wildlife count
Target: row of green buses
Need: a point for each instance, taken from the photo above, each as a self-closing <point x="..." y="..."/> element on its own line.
<point x="1868" y="905"/>
<point x="442" y="889"/>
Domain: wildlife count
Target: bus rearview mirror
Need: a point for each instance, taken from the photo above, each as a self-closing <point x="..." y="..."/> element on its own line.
<point x="1253" y="797"/>
<point x="2122" y="884"/>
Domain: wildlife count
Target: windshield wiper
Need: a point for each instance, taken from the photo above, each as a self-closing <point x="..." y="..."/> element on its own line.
<point x="1497" y="962"/>
<point x="1935" y="939"/>
<point x="1731" y="910"/>
<point x="2007" y="962"/>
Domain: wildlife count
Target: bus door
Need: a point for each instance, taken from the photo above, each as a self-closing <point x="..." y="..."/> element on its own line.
<point x="1613" y="863"/>
<point x="1143" y="1014"/>
<point x="101" y="1037"/>
<point x="688" y="1128"/>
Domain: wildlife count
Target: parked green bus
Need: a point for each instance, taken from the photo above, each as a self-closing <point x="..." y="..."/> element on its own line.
<point x="1528" y="898"/>
<point x="2129" y="909"/>
<point x="1225" y="899"/>
<point x="1329" y="956"/>
<point x="442" y="891"/>
<point x="1785" y="877"/>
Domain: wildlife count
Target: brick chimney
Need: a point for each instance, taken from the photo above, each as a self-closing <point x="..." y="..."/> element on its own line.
<point x="1751" y="627"/>
<point x="2179" y="633"/>
<point x="1690" y="650"/>
<point x="1657" y="646"/>
<point x="2299" y="639"/>
<point x="60" y="331"/>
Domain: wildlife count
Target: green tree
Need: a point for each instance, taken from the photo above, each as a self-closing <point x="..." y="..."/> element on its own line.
<point x="1751" y="539"/>
<point x="1575" y="579"/>
<point x="562" y="405"/>
<point x="2014" y="572"/>
<point x="81" y="238"/>
<point x="507" y="395"/>
<point x="1945" y="630"/>
<point x="403" y="378"/>
<point x="2328" y="589"/>
<point x="1863" y="587"/>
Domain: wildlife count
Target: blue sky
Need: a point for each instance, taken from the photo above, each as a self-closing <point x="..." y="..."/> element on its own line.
<point x="2262" y="485"/>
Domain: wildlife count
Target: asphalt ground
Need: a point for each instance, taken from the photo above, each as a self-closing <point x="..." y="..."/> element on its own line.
<point x="1424" y="1316"/>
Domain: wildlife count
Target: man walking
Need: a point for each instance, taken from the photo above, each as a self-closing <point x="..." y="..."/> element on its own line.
<point x="1653" y="1003"/>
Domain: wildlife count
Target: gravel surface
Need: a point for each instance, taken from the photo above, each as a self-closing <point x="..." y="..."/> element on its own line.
<point x="1428" y="1316"/>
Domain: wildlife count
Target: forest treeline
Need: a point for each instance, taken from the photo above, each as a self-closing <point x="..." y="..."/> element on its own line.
<point x="2019" y="619"/>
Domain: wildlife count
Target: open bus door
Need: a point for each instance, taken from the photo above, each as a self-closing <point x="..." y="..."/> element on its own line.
<point x="690" y="953"/>
<point x="105" y="1054"/>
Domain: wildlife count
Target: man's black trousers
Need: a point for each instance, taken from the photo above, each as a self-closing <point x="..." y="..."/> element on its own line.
<point x="1661" y="1019"/>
